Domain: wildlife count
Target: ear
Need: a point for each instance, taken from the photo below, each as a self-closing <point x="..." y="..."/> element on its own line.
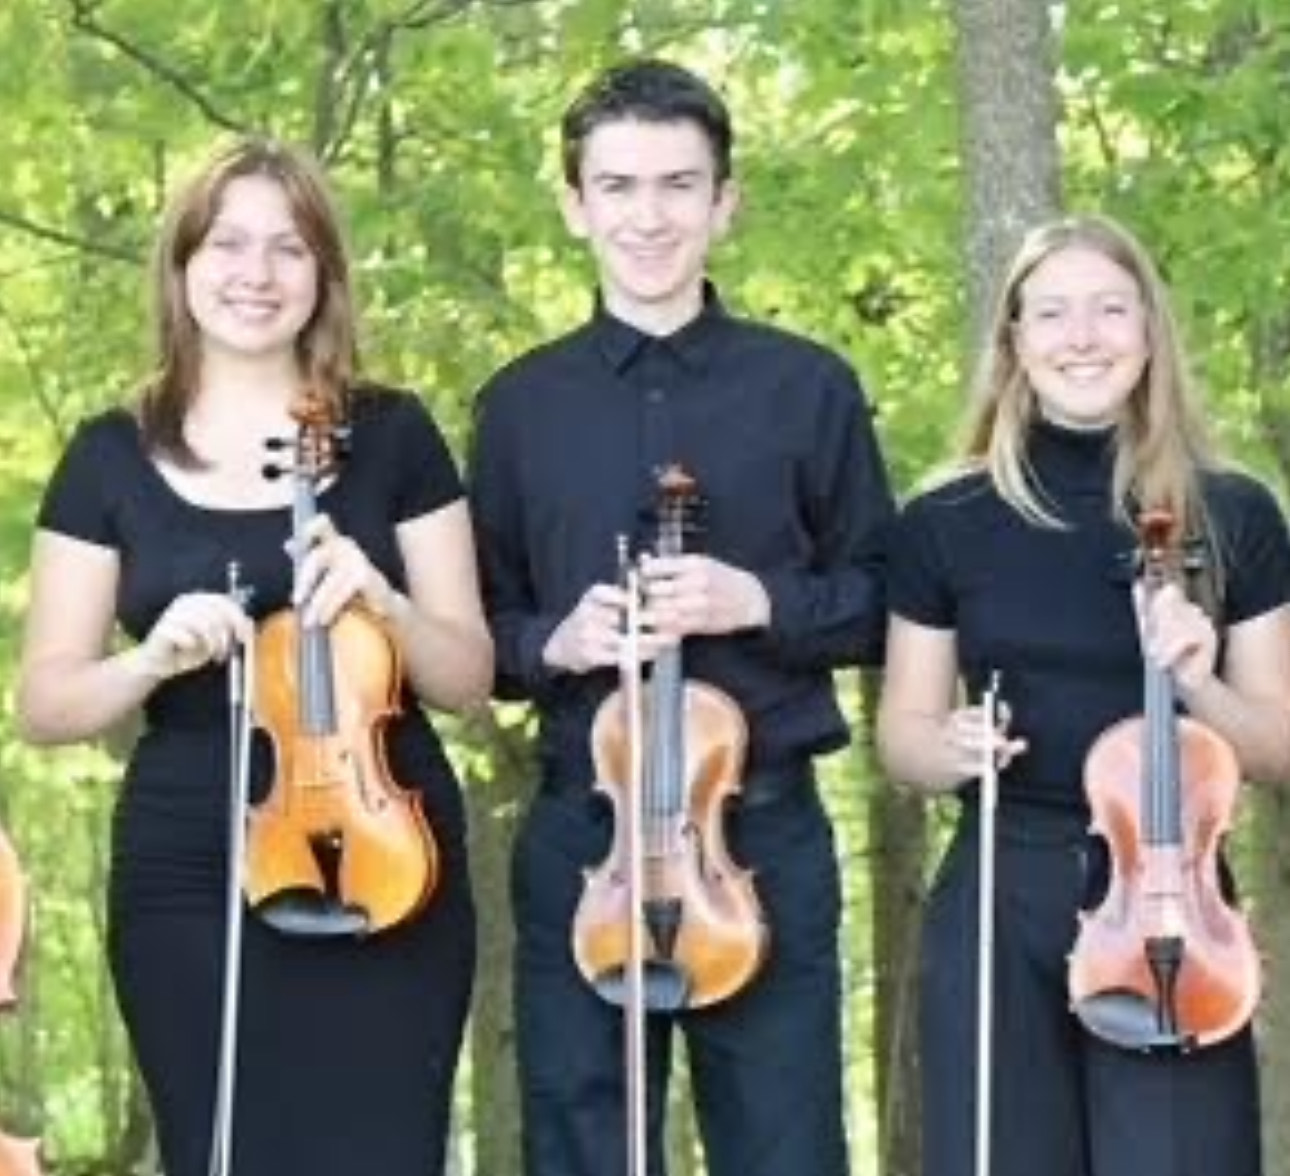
<point x="575" y="215"/>
<point x="726" y="205"/>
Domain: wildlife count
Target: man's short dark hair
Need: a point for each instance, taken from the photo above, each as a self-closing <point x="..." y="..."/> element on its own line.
<point x="646" y="90"/>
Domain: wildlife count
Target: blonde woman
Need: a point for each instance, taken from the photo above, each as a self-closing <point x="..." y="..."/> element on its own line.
<point x="1022" y="561"/>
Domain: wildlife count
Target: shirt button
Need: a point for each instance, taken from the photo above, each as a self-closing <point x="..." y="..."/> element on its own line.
<point x="655" y="396"/>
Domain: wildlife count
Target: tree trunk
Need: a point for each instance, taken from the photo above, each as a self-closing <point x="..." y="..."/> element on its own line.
<point x="1008" y="128"/>
<point x="897" y="824"/>
<point x="494" y="802"/>
<point x="1269" y="807"/>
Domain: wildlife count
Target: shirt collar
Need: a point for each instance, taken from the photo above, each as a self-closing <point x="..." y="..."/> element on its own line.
<point x="693" y="344"/>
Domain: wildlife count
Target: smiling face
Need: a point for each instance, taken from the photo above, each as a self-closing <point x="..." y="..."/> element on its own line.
<point x="650" y="206"/>
<point x="1081" y="337"/>
<point x="252" y="284"/>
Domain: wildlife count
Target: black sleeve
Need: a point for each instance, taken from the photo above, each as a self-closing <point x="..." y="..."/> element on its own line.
<point x="834" y="612"/>
<point x="1256" y="551"/>
<point x="918" y="585"/>
<point x="78" y="499"/>
<point x="427" y="474"/>
<point x="520" y="632"/>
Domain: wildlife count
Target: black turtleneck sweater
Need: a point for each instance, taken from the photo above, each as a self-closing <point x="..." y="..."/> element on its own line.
<point x="1051" y="609"/>
<point x="568" y="444"/>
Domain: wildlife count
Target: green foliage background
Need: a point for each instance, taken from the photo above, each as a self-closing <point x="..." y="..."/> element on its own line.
<point x="436" y="119"/>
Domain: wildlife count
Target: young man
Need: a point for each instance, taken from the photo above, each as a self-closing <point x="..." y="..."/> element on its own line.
<point x="781" y="586"/>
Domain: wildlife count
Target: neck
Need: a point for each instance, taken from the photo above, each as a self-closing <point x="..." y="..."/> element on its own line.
<point x="252" y="386"/>
<point x="659" y="319"/>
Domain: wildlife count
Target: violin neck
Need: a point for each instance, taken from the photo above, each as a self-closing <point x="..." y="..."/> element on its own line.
<point x="1162" y="786"/>
<point x="664" y="764"/>
<point x="315" y="674"/>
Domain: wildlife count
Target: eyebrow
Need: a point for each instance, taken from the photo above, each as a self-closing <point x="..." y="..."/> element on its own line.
<point x="290" y="232"/>
<point x="608" y="176"/>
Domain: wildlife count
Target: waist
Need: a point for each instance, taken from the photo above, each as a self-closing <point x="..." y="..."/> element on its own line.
<point x="1027" y="823"/>
<point x="763" y="784"/>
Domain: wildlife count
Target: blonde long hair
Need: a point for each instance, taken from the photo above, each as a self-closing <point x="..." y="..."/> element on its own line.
<point x="326" y="349"/>
<point x="1161" y="444"/>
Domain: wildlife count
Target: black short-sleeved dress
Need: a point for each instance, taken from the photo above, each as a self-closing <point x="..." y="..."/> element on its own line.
<point x="347" y="1048"/>
<point x="1051" y="610"/>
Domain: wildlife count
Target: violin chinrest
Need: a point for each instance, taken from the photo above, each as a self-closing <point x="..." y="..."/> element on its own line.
<point x="666" y="986"/>
<point x="1131" y="1021"/>
<point x="312" y="914"/>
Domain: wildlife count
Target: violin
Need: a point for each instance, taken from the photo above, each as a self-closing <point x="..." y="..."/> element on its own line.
<point x="1164" y="962"/>
<point x="17" y="1156"/>
<point x="697" y="919"/>
<point x="337" y="847"/>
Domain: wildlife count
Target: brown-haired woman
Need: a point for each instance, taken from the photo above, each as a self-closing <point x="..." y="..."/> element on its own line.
<point x="1021" y="561"/>
<point x="347" y="1048"/>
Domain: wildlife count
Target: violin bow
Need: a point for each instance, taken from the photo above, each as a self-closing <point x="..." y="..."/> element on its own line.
<point x="241" y="680"/>
<point x="989" y="801"/>
<point x="634" y="1005"/>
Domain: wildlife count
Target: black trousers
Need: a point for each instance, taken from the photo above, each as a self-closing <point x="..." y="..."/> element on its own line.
<point x="1064" y="1102"/>
<point x="766" y="1065"/>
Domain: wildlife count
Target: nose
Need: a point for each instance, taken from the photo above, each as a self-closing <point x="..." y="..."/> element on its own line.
<point x="256" y="266"/>
<point x="1081" y="329"/>
<point x="647" y="212"/>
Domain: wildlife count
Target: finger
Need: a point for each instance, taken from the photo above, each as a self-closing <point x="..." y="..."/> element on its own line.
<point x="320" y="529"/>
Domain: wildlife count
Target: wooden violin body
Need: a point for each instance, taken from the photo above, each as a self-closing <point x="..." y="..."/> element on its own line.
<point x="1163" y="891"/>
<point x="1165" y="962"/>
<point x="696" y="921"/>
<point x="18" y="1157"/>
<point x="337" y="847"/>
<point x="701" y="920"/>
<point x="335" y="829"/>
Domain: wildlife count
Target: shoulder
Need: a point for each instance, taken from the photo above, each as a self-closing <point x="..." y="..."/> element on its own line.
<point x="398" y="417"/>
<point x="1229" y="487"/>
<point x="758" y="337"/>
<point x="94" y="475"/>
<point x="381" y="404"/>
<point x="113" y="429"/>
<point x="102" y="441"/>
<point x="947" y="494"/>
<point x="541" y="364"/>
<point x="1239" y="503"/>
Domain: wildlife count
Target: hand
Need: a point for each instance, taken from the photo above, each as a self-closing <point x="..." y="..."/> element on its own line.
<point x="196" y="628"/>
<point x="1177" y="635"/>
<point x="336" y="571"/>
<point x="592" y="637"/>
<point x="689" y="594"/>
<point x="968" y="736"/>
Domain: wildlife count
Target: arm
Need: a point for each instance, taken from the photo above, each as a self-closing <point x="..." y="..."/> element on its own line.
<point x="1248" y="703"/>
<point x="69" y="687"/>
<point x="924" y="738"/>
<point x="521" y="633"/>
<point x="440" y="624"/>
<point x="833" y="612"/>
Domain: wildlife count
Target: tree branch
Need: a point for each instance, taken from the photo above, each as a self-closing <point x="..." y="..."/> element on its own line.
<point x="89" y="245"/>
<point x="83" y="19"/>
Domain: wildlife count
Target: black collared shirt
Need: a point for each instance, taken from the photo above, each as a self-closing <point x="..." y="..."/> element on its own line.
<point x="775" y="429"/>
